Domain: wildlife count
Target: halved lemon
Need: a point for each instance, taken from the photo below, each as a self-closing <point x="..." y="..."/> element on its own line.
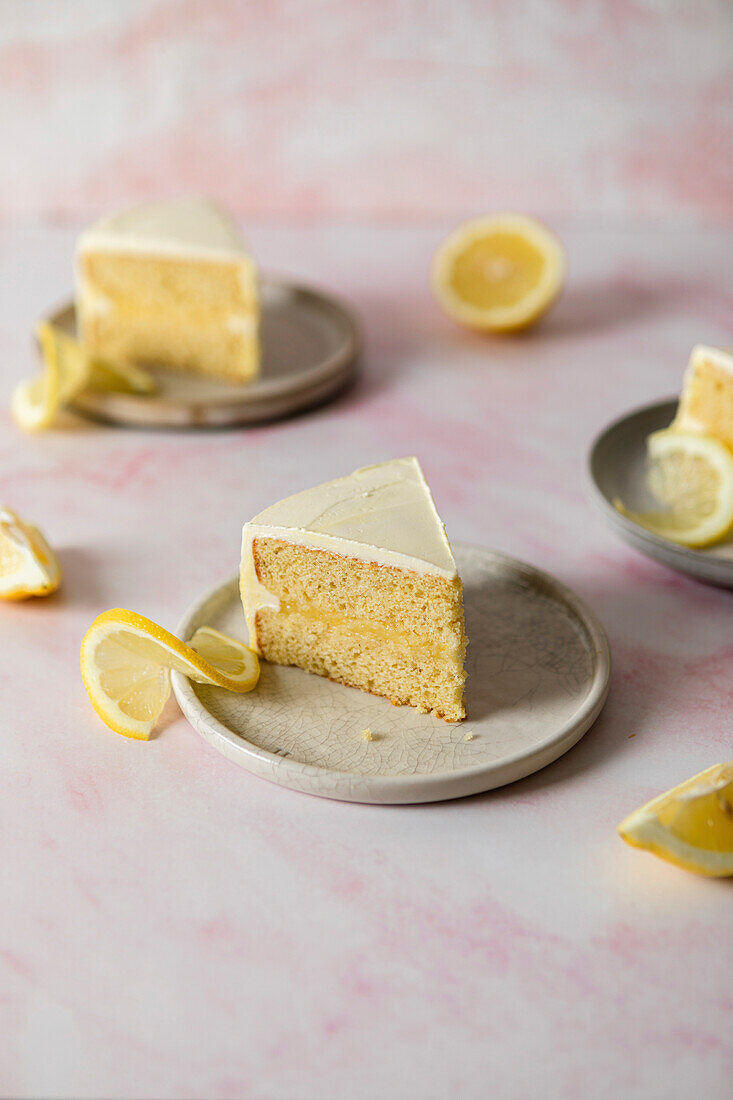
<point x="692" y="476"/>
<point x="691" y="825"/>
<point x="126" y="661"/>
<point x="498" y="273"/>
<point x="67" y="369"/>
<point x="28" y="565"/>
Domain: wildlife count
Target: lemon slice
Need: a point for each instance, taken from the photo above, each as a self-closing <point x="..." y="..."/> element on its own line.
<point x="28" y="565"/>
<point x="121" y="377"/>
<point x="126" y="662"/>
<point x="691" y="825"/>
<point x="67" y="369"/>
<point x="498" y="273"/>
<point x="77" y="369"/>
<point x="230" y="657"/>
<point x="692" y="476"/>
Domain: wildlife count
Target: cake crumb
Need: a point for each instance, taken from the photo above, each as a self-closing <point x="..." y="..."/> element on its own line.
<point x="367" y="735"/>
<point x="468" y="736"/>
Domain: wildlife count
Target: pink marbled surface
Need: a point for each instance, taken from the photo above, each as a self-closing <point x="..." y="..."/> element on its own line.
<point x="390" y="107"/>
<point x="173" y="927"/>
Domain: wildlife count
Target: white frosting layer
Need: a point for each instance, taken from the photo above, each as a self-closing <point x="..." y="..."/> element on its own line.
<point x="383" y="514"/>
<point x="195" y="228"/>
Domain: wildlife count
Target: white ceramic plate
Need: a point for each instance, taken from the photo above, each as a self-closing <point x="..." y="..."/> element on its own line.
<point x="538" y="670"/>
<point x="618" y="469"/>
<point x="310" y="342"/>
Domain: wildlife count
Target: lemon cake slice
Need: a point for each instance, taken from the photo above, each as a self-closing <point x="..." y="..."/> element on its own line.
<point x="355" y="580"/>
<point x="706" y="402"/>
<point x="169" y="283"/>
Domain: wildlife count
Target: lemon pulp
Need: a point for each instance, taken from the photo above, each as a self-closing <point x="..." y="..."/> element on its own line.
<point x="498" y="270"/>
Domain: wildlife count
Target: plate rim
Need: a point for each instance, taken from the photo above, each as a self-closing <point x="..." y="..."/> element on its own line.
<point x="692" y="562"/>
<point x="431" y="787"/>
<point x="310" y="383"/>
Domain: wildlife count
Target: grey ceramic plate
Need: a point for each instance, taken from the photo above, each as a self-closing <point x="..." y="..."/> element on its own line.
<point x="310" y="342"/>
<point x="538" y="670"/>
<point x="618" y="469"/>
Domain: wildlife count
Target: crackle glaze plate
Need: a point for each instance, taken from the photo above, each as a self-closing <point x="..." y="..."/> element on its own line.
<point x="617" y="466"/>
<point x="538" y="670"/>
<point x="310" y="343"/>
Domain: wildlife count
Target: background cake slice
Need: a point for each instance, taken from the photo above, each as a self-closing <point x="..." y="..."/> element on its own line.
<point x="169" y="283"/>
<point x="706" y="401"/>
<point x="355" y="580"/>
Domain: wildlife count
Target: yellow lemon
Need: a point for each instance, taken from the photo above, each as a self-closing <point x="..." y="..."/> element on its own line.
<point x="28" y="565"/>
<point x="691" y="825"/>
<point x="67" y="369"/>
<point x="692" y="476"/>
<point x="498" y="273"/>
<point x="126" y="661"/>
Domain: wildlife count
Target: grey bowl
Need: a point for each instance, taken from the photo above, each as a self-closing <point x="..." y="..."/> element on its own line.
<point x="617" y="467"/>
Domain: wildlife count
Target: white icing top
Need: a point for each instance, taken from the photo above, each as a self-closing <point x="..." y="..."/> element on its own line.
<point x="192" y="227"/>
<point x="383" y="514"/>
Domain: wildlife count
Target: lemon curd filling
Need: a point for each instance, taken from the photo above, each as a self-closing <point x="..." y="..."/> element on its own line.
<point x="370" y="630"/>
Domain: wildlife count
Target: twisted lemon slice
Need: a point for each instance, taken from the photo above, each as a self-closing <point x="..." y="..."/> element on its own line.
<point x="126" y="662"/>
<point x="67" y="369"/>
<point x="692" y="476"/>
<point x="28" y="565"/>
<point x="691" y="825"/>
<point x="499" y="273"/>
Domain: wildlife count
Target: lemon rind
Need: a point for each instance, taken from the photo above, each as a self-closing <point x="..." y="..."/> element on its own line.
<point x="645" y="832"/>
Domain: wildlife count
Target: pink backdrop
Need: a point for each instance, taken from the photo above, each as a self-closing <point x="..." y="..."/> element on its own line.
<point x="385" y="107"/>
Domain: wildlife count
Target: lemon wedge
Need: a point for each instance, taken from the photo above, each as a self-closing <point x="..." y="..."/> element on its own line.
<point x="28" y="565"/>
<point x="126" y="662"/>
<point x="692" y="476"/>
<point x="691" y="825"/>
<point x="498" y="273"/>
<point x="67" y="369"/>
